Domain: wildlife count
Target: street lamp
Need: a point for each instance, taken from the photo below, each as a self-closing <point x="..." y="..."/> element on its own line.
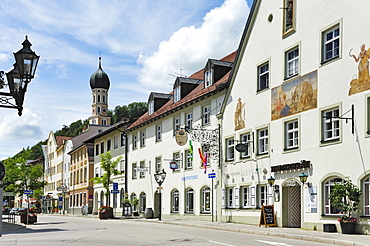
<point x="303" y="177"/>
<point x="271" y="181"/>
<point x="19" y="77"/>
<point x="159" y="178"/>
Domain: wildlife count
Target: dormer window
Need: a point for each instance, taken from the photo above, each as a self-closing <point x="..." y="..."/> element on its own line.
<point x="151" y="107"/>
<point x="177" y="94"/>
<point x="208" y="78"/>
<point x="289" y="16"/>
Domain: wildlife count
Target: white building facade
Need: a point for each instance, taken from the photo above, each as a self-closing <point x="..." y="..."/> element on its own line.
<point x="301" y="73"/>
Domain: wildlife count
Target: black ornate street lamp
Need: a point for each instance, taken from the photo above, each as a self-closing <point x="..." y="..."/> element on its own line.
<point x="159" y="178"/>
<point x="19" y="77"/>
<point x="303" y="177"/>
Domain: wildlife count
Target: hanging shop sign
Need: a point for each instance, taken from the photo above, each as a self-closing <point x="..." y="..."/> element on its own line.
<point x="174" y="165"/>
<point x="292" y="166"/>
<point x="181" y="137"/>
<point x="241" y="147"/>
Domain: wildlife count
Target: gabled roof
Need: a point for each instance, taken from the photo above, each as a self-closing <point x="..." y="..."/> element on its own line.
<point x="60" y="140"/>
<point x="242" y="45"/>
<point x="93" y="130"/>
<point x="198" y="93"/>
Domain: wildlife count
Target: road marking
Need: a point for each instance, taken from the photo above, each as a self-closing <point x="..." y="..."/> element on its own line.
<point x="220" y="243"/>
<point x="274" y="243"/>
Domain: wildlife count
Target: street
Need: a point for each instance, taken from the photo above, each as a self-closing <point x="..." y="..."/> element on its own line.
<point x="69" y="230"/>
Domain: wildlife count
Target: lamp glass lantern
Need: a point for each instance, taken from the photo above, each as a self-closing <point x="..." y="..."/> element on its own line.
<point x="303" y="178"/>
<point x="26" y="60"/>
<point x="15" y="81"/>
<point x="271" y="181"/>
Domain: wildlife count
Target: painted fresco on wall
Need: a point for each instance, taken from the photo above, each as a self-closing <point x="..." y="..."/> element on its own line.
<point x="239" y="116"/>
<point x="361" y="81"/>
<point x="295" y="96"/>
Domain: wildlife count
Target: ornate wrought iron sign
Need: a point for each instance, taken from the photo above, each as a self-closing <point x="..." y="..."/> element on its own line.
<point x="205" y="136"/>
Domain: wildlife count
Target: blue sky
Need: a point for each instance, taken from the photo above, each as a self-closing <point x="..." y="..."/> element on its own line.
<point x="143" y="45"/>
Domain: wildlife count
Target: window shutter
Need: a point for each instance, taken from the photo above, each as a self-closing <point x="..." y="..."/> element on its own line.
<point x="223" y="198"/>
<point x="236" y="197"/>
<point x="270" y="195"/>
<point x="252" y="196"/>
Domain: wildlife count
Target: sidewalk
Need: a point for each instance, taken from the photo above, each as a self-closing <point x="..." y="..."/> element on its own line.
<point x="293" y="233"/>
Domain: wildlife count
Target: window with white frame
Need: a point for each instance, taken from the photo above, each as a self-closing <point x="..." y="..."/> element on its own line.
<point x="158" y="133"/>
<point x="366" y="196"/>
<point x="134" y="167"/>
<point x="122" y="166"/>
<point x="177" y="94"/>
<point x="134" y="141"/>
<point x="328" y="187"/>
<point x="142" y="140"/>
<point x="206" y="115"/>
<point x="158" y="164"/>
<point x="176" y="125"/>
<point x="115" y="141"/>
<point x="206" y="200"/>
<point x="189" y="201"/>
<point x="188" y="159"/>
<point x="101" y="147"/>
<point x="291" y="134"/>
<point x="189" y="120"/>
<point x="263" y="76"/>
<point x="142" y="168"/>
<point x="151" y="107"/>
<point x="288" y="16"/>
<point x="245" y="139"/>
<point x="208" y="80"/>
<point x="263" y="141"/>
<point x="263" y="197"/>
<point x="97" y="171"/>
<point x="248" y="196"/>
<point x="330" y="125"/>
<point x="176" y="157"/>
<point x="230" y="198"/>
<point x="330" y="43"/>
<point x="292" y="62"/>
<point x="230" y="149"/>
<point x="175" y="201"/>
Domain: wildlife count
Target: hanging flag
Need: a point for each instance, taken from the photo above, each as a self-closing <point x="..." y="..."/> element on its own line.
<point x="203" y="160"/>
<point x="191" y="150"/>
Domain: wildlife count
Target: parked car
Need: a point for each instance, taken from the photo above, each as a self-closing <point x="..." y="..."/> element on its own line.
<point x="22" y="210"/>
<point x="5" y="210"/>
<point x="14" y="210"/>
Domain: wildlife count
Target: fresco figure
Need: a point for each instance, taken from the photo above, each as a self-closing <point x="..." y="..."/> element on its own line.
<point x="238" y="119"/>
<point x="363" y="63"/>
<point x="285" y="110"/>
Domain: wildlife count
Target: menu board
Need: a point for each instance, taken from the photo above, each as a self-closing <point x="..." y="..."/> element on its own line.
<point x="267" y="217"/>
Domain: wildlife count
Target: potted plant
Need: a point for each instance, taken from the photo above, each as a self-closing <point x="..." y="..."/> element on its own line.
<point x="105" y="212"/>
<point x="346" y="197"/>
<point x="134" y="204"/>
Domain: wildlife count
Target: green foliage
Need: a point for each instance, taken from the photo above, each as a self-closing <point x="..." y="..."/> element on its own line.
<point x="109" y="168"/>
<point x="132" y="110"/>
<point x="73" y="130"/>
<point x="21" y="176"/>
<point x="135" y="202"/>
<point x="345" y="196"/>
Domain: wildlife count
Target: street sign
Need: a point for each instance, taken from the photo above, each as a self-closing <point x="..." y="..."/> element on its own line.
<point x="114" y="191"/>
<point x="115" y="186"/>
<point x="28" y="192"/>
<point x="212" y="175"/>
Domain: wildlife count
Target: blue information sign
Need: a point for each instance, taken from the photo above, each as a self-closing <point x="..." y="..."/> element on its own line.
<point x="28" y="192"/>
<point x="212" y="175"/>
<point x="115" y="186"/>
<point x="114" y="191"/>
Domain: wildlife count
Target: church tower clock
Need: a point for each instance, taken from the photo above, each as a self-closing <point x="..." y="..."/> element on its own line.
<point x="99" y="83"/>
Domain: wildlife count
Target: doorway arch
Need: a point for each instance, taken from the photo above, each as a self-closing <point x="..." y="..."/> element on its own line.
<point x="291" y="203"/>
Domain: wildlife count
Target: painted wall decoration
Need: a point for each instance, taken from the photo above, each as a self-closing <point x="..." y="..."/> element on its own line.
<point x="295" y="96"/>
<point x="239" y="117"/>
<point x="361" y="82"/>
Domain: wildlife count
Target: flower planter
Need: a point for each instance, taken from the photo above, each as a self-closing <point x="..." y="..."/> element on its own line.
<point x="348" y="228"/>
<point x="106" y="214"/>
<point x="32" y="218"/>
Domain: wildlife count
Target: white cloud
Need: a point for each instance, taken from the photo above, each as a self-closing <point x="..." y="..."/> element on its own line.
<point x="13" y="127"/>
<point x="188" y="49"/>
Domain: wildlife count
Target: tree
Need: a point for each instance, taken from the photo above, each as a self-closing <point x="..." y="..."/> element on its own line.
<point x="21" y="176"/>
<point x="345" y="196"/>
<point x="109" y="168"/>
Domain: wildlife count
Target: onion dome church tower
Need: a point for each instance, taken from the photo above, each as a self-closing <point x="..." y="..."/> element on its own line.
<point x="99" y="83"/>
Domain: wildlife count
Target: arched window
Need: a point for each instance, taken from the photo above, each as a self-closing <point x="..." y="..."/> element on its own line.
<point x="142" y="202"/>
<point x="101" y="198"/>
<point x="205" y="200"/>
<point x="328" y="186"/>
<point x="94" y="99"/>
<point x="103" y="99"/>
<point x="98" y="98"/>
<point x="132" y="198"/>
<point x="366" y="194"/>
<point x="122" y="197"/>
<point x="189" y="201"/>
<point x="175" y="201"/>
